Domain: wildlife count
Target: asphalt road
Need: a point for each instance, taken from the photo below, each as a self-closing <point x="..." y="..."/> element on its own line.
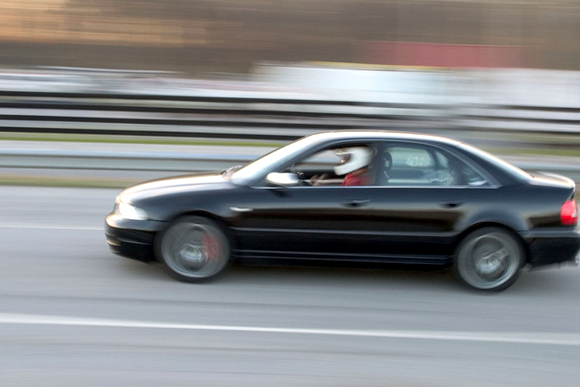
<point x="73" y="314"/>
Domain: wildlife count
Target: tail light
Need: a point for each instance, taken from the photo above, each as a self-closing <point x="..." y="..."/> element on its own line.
<point x="569" y="213"/>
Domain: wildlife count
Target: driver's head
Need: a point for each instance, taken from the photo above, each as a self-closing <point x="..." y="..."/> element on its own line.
<point x="352" y="159"/>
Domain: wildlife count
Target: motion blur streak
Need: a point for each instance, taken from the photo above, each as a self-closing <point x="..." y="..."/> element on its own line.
<point x="224" y="35"/>
<point x="498" y="337"/>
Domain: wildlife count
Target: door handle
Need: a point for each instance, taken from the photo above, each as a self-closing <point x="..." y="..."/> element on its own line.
<point x="241" y="209"/>
<point x="450" y="204"/>
<point x="357" y="202"/>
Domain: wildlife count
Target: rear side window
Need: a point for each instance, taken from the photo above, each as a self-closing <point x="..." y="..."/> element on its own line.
<point x="417" y="165"/>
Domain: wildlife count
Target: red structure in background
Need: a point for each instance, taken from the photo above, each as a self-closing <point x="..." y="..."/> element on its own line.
<point x="439" y="55"/>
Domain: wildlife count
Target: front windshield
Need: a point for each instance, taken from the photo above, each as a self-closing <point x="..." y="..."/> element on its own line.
<point x="271" y="161"/>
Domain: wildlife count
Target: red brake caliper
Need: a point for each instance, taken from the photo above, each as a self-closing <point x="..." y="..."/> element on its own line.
<point x="211" y="245"/>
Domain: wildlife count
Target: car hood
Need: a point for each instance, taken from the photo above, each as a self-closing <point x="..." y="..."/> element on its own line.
<point x="172" y="185"/>
<point x="552" y="180"/>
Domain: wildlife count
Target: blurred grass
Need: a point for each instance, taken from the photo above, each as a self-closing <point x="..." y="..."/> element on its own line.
<point x="132" y="140"/>
<point x="557" y="139"/>
<point x="533" y="152"/>
<point x="43" y="181"/>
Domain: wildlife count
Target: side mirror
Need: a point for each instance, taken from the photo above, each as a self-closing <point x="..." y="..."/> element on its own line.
<point x="282" y="179"/>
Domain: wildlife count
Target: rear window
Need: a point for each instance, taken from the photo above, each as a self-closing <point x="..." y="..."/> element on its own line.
<point x="508" y="168"/>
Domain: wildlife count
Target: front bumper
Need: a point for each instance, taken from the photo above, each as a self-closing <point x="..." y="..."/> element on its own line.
<point x="132" y="238"/>
<point x="549" y="247"/>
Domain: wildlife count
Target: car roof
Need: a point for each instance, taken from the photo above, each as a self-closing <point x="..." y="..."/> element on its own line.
<point x="379" y="135"/>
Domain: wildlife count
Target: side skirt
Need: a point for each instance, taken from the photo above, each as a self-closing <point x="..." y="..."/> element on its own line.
<point x="334" y="257"/>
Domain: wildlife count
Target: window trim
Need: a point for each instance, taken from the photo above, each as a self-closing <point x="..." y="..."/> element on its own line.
<point x="379" y="144"/>
<point x="379" y="187"/>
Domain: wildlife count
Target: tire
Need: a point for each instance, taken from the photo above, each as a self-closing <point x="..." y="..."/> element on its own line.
<point x="489" y="259"/>
<point x="193" y="249"/>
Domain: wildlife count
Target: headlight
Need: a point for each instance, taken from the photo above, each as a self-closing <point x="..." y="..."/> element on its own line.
<point x="128" y="211"/>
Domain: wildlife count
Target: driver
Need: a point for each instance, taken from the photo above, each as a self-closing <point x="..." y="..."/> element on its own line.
<point x="353" y="164"/>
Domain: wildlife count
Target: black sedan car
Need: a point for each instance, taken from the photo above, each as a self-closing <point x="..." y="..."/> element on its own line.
<point x="359" y="196"/>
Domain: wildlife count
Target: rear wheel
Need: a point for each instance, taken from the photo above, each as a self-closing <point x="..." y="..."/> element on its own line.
<point x="489" y="259"/>
<point x="193" y="249"/>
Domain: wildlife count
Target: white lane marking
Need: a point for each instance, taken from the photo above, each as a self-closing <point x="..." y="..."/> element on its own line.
<point x="570" y="339"/>
<point x="48" y="227"/>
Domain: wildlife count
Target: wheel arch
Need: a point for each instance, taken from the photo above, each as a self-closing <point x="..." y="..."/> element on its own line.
<point x="220" y="221"/>
<point x="480" y="225"/>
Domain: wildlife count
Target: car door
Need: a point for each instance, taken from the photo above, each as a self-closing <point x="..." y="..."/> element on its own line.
<point x="308" y="222"/>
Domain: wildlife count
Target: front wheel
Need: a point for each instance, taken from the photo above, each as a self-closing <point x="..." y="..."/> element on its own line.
<point x="489" y="259"/>
<point x="193" y="249"/>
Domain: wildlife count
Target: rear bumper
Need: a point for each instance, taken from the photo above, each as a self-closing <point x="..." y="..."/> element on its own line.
<point x="132" y="238"/>
<point x="550" y="247"/>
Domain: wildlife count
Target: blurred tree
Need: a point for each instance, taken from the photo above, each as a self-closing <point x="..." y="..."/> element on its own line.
<point x="154" y="9"/>
<point x="245" y="31"/>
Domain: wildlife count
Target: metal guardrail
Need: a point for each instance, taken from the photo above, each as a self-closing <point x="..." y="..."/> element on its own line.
<point x="535" y="119"/>
<point x="117" y="161"/>
<point x="258" y="115"/>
